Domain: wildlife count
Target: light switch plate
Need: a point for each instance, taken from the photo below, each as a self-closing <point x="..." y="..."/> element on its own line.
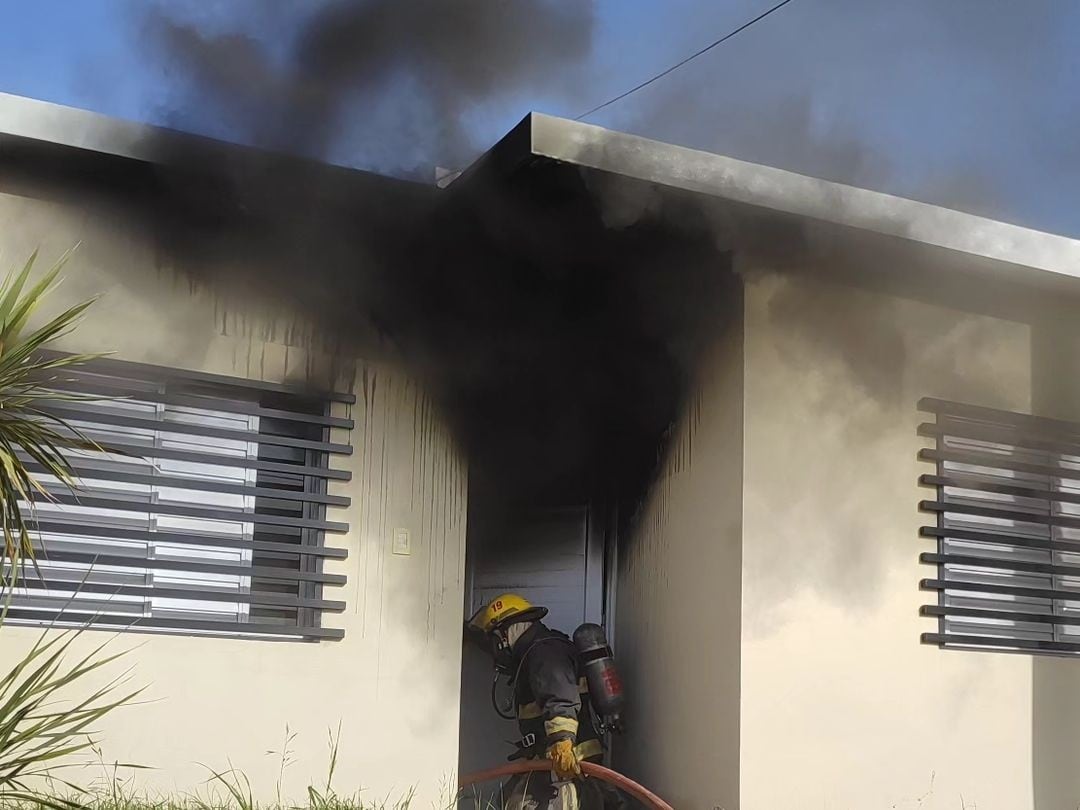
<point x="401" y="542"/>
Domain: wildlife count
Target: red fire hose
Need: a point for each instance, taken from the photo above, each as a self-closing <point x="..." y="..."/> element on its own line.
<point x="588" y="768"/>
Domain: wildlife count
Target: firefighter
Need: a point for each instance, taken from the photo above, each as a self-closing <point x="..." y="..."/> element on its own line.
<point x="552" y="705"/>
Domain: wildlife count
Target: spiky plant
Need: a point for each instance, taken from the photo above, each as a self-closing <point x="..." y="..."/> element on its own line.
<point x="29" y="434"/>
<point x="41" y="727"/>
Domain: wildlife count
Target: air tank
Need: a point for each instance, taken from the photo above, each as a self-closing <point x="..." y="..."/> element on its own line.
<point x="598" y="666"/>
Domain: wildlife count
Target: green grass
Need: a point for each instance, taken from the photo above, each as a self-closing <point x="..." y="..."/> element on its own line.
<point x="107" y="802"/>
<point x="217" y="799"/>
<point x="223" y="790"/>
<point x="228" y="789"/>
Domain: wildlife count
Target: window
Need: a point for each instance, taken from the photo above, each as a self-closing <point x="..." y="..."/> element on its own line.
<point x="1008" y="529"/>
<point x="208" y="515"/>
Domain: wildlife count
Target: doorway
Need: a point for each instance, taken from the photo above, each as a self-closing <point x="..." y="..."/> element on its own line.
<point x="555" y="557"/>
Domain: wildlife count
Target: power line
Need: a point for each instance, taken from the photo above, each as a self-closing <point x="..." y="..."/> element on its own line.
<point x="690" y="58"/>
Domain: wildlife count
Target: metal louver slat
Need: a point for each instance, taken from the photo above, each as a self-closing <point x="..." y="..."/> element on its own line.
<point x="952" y="585"/>
<point x="998" y="461"/>
<point x="88" y="471"/>
<point x="81" y="412"/>
<point x="84" y="384"/>
<point x="1001" y="615"/>
<point x="187" y="626"/>
<point x="1009" y="540"/>
<point x="983" y="483"/>
<point x="1007" y="530"/>
<point x="206" y="513"/>
<point x="201" y="457"/>
<point x="1003" y="435"/>
<point x="143" y="563"/>
<point x="123" y="503"/>
<point x="999" y="564"/>
<point x="186" y="380"/>
<point x="196" y="593"/>
<point x="990" y="642"/>
<point x="76" y="527"/>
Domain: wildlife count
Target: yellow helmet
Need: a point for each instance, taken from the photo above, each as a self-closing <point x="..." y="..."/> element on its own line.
<point x="502" y="609"/>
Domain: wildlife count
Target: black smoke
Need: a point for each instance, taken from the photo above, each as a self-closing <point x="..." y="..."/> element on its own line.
<point x="964" y="104"/>
<point x="559" y="344"/>
<point x="558" y="340"/>
<point x="381" y="84"/>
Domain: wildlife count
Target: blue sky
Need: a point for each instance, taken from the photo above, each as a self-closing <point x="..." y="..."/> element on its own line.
<point x="968" y="103"/>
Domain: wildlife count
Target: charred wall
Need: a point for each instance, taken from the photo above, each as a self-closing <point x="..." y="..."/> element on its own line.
<point x="558" y="342"/>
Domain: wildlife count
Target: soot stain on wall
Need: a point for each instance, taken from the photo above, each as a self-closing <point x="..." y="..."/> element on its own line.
<point x="559" y="344"/>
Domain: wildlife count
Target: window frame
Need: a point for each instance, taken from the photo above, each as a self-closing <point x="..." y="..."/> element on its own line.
<point x="297" y="439"/>
<point x="1007" y="529"/>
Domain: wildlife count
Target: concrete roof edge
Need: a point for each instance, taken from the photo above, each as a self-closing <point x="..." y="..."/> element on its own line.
<point x="45" y="121"/>
<point x="783" y="191"/>
<point x="59" y="125"/>
<point x="590" y="146"/>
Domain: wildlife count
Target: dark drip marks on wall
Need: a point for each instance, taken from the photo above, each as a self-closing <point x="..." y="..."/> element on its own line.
<point x="557" y="346"/>
<point x="558" y="342"/>
<point x="555" y="317"/>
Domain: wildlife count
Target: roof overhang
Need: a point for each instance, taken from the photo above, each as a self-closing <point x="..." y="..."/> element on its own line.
<point x="61" y="130"/>
<point x="945" y="235"/>
<point x="46" y="122"/>
<point x="783" y="192"/>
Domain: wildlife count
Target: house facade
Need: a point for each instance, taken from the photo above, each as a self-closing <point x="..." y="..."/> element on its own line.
<point x="845" y="583"/>
<point x="849" y="582"/>
<point x="787" y="572"/>
<point x="380" y="660"/>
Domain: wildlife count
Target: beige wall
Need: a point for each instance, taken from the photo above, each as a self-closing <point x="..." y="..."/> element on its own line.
<point x="836" y="703"/>
<point x="1055" y="359"/>
<point x="842" y="707"/>
<point x="677" y="614"/>
<point x="393" y="682"/>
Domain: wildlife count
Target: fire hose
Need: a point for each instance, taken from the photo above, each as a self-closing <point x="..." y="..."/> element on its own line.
<point x="591" y="769"/>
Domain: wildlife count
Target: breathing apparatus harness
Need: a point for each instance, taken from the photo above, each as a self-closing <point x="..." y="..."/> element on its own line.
<point x="595" y="660"/>
<point x="503" y="664"/>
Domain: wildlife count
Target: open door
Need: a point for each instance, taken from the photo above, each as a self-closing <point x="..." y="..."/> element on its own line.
<point x="553" y="557"/>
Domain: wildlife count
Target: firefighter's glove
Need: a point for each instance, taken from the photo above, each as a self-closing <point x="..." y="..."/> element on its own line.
<point x="564" y="761"/>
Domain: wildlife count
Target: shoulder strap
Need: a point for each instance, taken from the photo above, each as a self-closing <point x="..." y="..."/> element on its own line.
<point x="554" y="636"/>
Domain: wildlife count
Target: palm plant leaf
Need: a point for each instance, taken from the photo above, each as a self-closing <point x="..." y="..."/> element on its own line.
<point x="31" y="434"/>
<point x="41" y="729"/>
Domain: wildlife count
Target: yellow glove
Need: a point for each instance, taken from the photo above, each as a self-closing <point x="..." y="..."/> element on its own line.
<point x="564" y="762"/>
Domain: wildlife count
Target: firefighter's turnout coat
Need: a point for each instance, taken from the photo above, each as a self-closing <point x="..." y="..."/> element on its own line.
<point x="551" y="695"/>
